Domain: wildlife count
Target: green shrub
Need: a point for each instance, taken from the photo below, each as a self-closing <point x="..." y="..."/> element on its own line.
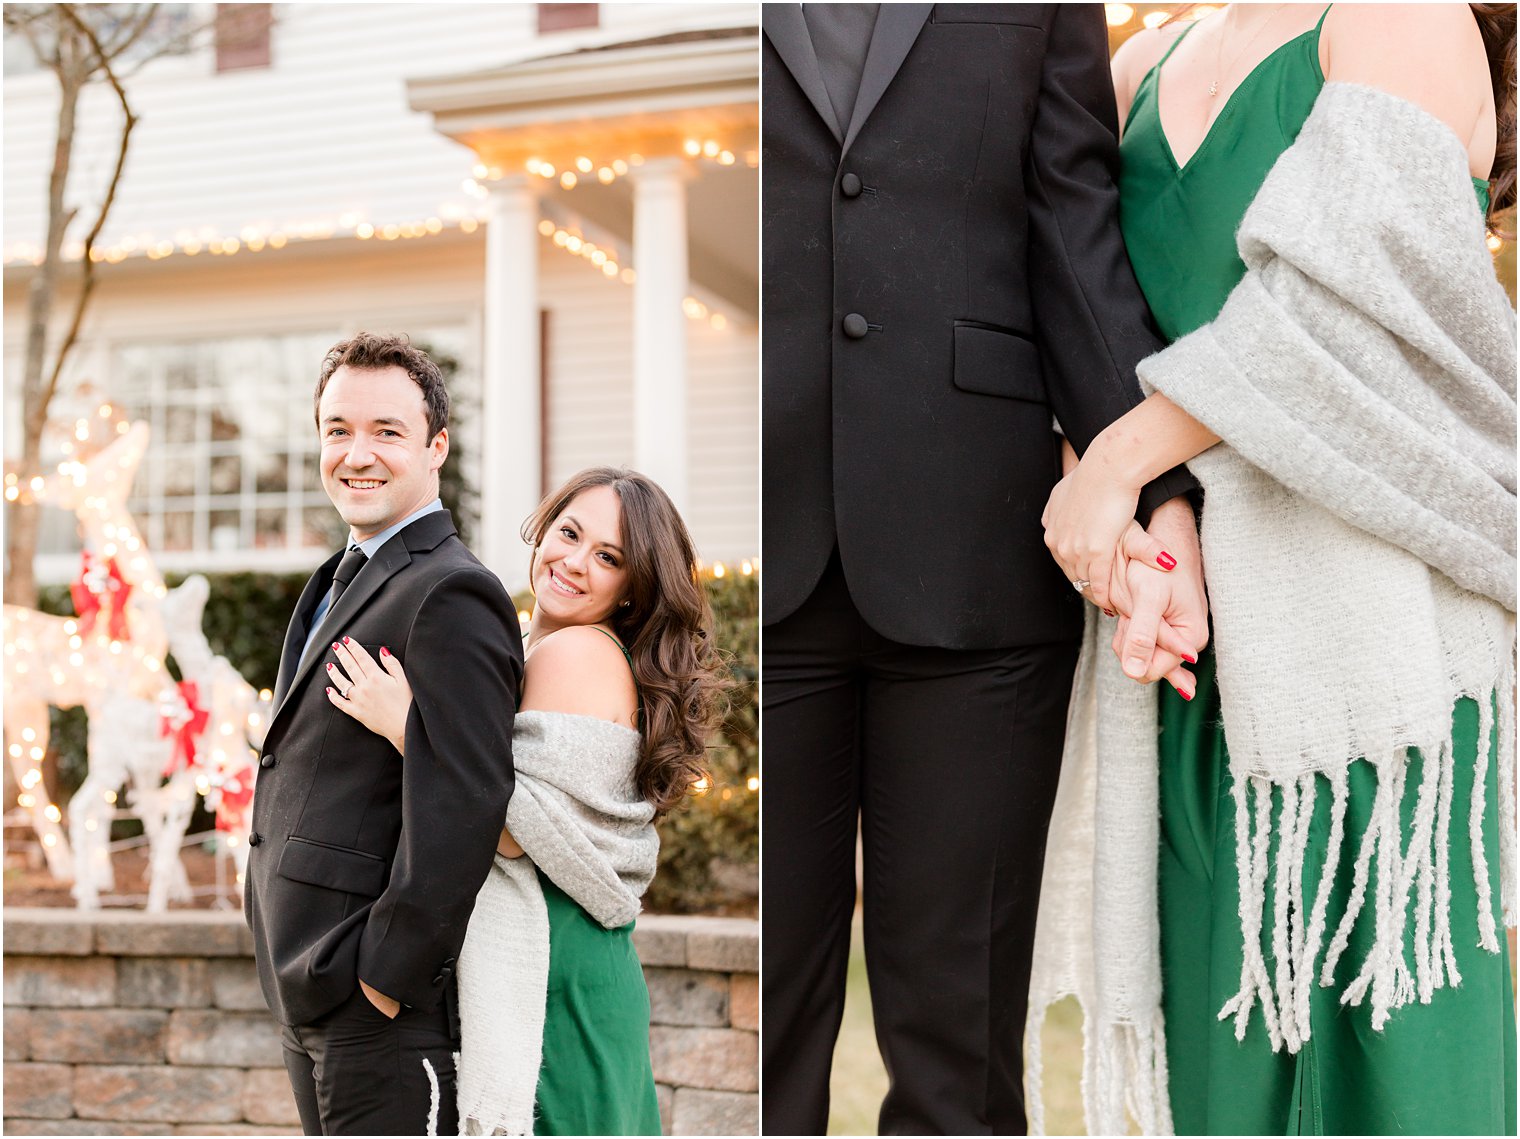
<point x="245" y="621"/>
<point x="723" y="823"/>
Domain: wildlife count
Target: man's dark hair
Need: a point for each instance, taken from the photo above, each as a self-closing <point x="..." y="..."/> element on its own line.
<point x="371" y="351"/>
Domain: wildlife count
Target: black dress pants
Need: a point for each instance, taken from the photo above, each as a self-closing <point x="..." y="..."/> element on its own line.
<point x="356" y="1071"/>
<point x="949" y="761"/>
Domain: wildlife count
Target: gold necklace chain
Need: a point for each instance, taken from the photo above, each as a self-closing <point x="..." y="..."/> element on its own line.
<point x="1218" y="55"/>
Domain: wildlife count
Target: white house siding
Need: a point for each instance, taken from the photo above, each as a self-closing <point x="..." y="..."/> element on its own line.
<point x="321" y="138"/>
<point x="591" y="402"/>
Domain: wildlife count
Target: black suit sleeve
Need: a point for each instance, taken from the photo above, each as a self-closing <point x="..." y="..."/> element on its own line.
<point x="464" y="663"/>
<point x="1090" y="318"/>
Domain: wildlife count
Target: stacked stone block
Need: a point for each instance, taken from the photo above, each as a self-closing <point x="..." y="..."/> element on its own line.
<point x="122" y="1023"/>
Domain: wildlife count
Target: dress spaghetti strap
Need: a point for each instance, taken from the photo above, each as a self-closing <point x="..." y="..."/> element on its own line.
<point x="1180" y="37"/>
<point x="626" y="654"/>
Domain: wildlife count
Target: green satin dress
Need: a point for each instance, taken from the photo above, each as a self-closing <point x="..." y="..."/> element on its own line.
<point x="1446" y="1068"/>
<point x="596" y="1077"/>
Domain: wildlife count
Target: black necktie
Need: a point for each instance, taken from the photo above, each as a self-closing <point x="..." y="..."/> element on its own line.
<point x="347" y="570"/>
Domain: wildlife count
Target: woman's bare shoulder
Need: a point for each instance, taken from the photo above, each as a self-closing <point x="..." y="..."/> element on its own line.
<point x="580" y="670"/>
<point x="1429" y="54"/>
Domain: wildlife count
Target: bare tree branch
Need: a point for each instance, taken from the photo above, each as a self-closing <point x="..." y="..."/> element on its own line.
<point x="87" y="263"/>
<point x="130" y="30"/>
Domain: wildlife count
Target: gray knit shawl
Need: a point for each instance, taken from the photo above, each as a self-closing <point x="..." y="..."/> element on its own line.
<point x="577" y="814"/>
<point x="1358" y="542"/>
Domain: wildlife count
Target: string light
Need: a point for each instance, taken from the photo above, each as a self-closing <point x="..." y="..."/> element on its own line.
<point x="256" y="239"/>
<point x="1118" y="14"/>
<point x="583" y="169"/>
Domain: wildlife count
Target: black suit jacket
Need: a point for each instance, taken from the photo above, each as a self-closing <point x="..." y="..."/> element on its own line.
<point x="362" y="863"/>
<point x="941" y="274"/>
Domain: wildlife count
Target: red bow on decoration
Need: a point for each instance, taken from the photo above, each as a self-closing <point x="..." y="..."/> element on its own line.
<point x="100" y="584"/>
<point x="183" y="720"/>
<point x="234" y="793"/>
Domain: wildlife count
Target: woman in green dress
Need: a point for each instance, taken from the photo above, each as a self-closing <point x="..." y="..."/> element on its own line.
<point x="620" y="680"/>
<point x="1209" y="107"/>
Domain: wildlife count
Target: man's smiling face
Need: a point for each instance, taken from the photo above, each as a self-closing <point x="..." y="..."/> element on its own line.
<point x="378" y="465"/>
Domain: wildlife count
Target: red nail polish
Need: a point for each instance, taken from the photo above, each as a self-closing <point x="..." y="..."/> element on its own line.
<point x="329" y="668"/>
<point x="329" y="691"/>
<point x="1184" y="695"/>
<point x="1190" y="658"/>
<point x="385" y="652"/>
<point x="345" y="639"/>
<point x="1109" y="613"/>
<point x="335" y="646"/>
<point x="1166" y="561"/>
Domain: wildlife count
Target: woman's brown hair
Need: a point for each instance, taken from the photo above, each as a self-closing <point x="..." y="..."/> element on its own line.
<point x="665" y="621"/>
<point x="1497" y="24"/>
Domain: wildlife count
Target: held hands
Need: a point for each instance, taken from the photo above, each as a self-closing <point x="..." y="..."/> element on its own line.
<point x="377" y="695"/>
<point x="1166" y="621"/>
<point x="1090" y="525"/>
<point x="1159" y="597"/>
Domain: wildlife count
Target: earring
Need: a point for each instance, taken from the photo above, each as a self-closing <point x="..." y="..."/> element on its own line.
<point x="624" y="604"/>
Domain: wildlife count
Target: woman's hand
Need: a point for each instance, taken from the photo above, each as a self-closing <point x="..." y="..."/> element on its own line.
<point x="377" y="695"/>
<point x="1090" y="525"/>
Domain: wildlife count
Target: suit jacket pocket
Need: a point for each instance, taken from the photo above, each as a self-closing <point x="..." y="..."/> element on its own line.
<point x="991" y="361"/>
<point x="335" y="867"/>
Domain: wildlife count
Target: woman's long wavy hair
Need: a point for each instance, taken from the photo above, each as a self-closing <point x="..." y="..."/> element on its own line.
<point x="1497" y="23"/>
<point x="666" y="624"/>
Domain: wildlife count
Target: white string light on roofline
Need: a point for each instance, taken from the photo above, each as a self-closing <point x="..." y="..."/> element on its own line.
<point x="257" y="238"/>
<point x="583" y="170"/>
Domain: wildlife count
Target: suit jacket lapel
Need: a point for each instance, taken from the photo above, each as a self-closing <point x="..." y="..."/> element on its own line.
<point x="295" y="632"/>
<point x="424" y="534"/>
<point x="787" y="31"/>
<point x="897" y="27"/>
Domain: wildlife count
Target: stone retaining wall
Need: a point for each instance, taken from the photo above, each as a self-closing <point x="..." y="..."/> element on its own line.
<point x="124" y="1023"/>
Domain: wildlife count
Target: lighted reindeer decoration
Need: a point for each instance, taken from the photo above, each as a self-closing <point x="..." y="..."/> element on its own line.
<point x="115" y="647"/>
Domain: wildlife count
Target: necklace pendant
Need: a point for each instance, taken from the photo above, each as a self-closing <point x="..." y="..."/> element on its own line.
<point x="1213" y="88"/>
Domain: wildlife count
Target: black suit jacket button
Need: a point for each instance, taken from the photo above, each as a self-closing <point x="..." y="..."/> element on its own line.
<point x="855" y="326"/>
<point x="267" y="761"/>
<point x="849" y="185"/>
<point x="254" y="838"/>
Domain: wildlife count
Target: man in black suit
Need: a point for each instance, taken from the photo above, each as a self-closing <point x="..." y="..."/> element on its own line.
<point x="943" y="274"/>
<point x="364" y="867"/>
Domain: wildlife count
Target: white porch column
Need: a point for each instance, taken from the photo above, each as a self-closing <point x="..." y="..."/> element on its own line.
<point x="511" y="451"/>
<point x="659" y="325"/>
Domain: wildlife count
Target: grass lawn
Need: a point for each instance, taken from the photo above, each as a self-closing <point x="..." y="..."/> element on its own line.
<point x="858" y="1081"/>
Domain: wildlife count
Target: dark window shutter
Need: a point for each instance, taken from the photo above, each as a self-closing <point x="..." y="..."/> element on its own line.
<point x="563" y="17"/>
<point x="242" y="35"/>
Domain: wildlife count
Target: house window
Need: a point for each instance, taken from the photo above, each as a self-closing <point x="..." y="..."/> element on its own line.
<point x="242" y="36"/>
<point x="564" y="17"/>
<point x="232" y="464"/>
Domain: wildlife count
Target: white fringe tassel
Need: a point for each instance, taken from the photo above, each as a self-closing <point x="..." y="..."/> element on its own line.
<point x="1123" y="1076"/>
<point x="1418" y="877"/>
<point x="433" y="1096"/>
